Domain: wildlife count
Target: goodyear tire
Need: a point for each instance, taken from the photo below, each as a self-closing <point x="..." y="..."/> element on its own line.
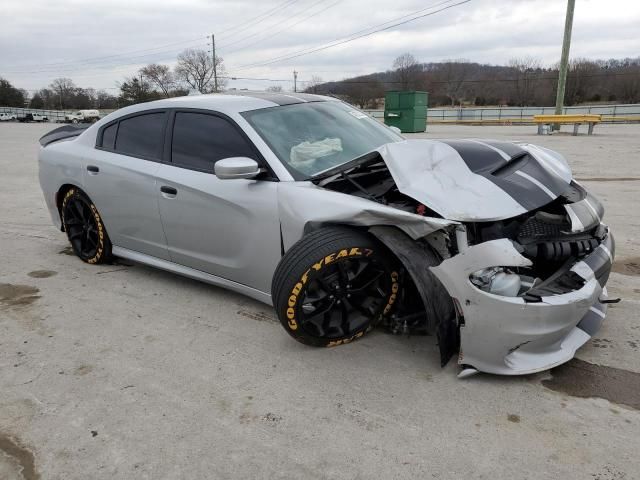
<point x="84" y="227"/>
<point x="333" y="286"/>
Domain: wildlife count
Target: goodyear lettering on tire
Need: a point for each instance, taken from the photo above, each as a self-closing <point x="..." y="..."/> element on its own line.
<point x="316" y="267"/>
<point x="100" y="248"/>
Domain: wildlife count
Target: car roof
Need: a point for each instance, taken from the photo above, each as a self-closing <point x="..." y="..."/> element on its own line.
<point x="229" y="103"/>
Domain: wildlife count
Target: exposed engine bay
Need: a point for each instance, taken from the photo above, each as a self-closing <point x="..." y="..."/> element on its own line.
<point x="550" y="239"/>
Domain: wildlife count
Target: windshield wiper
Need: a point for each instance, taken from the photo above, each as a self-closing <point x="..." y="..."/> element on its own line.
<point x="346" y="176"/>
<point x="363" y="159"/>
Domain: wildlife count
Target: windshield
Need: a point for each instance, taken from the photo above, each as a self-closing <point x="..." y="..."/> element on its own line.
<point x="312" y="137"/>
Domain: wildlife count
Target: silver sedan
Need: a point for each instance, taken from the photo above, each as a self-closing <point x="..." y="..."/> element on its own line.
<point x="307" y="204"/>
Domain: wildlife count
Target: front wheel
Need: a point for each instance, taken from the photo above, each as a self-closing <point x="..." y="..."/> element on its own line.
<point x="85" y="230"/>
<point x="333" y="286"/>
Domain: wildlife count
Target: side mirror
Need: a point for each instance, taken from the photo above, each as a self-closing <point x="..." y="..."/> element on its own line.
<point x="236" y="167"/>
<point x="396" y="129"/>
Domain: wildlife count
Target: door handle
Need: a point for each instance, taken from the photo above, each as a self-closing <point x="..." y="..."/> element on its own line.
<point x="170" y="191"/>
<point x="93" y="170"/>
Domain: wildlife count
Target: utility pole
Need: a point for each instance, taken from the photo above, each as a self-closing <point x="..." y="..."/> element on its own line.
<point x="215" y="67"/>
<point x="564" y="59"/>
<point x="295" y="81"/>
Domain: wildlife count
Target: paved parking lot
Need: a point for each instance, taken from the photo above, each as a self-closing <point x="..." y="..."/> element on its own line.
<point x="126" y="372"/>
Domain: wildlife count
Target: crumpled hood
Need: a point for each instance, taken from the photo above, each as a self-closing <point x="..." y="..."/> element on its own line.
<point x="477" y="180"/>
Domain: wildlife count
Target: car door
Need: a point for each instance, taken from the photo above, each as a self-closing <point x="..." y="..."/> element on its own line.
<point x="120" y="178"/>
<point x="228" y="228"/>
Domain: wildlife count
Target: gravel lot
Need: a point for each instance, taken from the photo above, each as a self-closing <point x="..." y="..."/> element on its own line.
<point x="126" y="372"/>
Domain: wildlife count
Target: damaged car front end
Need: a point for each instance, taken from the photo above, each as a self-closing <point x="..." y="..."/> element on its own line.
<point x="512" y="267"/>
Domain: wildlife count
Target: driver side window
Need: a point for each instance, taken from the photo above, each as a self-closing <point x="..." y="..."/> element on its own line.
<point x="200" y="140"/>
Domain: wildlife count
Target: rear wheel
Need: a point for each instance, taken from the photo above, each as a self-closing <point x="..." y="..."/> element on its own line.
<point x="84" y="227"/>
<point x="333" y="286"/>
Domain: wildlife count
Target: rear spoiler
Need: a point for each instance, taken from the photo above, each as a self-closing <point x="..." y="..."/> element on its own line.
<point x="61" y="133"/>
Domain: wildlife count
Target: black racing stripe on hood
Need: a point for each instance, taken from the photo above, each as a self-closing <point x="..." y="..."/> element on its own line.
<point x="547" y="178"/>
<point x="483" y="160"/>
<point x="533" y="168"/>
<point x="479" y="158"/>
<point x="509" y="148"/>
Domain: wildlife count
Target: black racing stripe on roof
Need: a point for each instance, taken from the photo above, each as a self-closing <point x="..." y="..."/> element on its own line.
<point x="280" y="98"/>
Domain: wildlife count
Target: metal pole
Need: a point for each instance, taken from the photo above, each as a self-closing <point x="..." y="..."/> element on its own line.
<point x="564" y="59"/>
<point x="295" y="81"/>
<point x="213" y="58"/>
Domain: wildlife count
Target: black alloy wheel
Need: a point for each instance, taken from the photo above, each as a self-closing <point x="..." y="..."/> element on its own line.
<point x="84" y="228"/>
<point x="334" y="285"/>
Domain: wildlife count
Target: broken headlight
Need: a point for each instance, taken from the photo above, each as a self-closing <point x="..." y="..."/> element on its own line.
<point x="497" y="280"/>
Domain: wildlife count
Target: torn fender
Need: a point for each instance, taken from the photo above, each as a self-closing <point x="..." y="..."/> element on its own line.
<point x="417" y="258"/>
<point x="303" y="203"/>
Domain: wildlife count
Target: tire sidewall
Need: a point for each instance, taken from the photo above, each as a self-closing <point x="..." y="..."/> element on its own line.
<point x="291" y="305"/>
<point x="102" y="251"/>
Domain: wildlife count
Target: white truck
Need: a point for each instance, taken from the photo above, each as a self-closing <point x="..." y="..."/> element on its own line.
<point x="86" y="116"/>
<point x="7" y="117"/>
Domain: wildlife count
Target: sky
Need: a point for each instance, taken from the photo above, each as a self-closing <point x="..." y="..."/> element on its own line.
<point x="97" y="43"/>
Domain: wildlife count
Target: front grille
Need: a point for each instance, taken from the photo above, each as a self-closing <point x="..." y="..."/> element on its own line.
<point x="535" y="229"/>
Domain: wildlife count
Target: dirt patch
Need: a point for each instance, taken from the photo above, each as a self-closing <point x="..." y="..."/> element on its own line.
<point x="83" y="370"/>
<point x="42" y="273"/>
<point x="609" y="179"/>
<point x="17" y="295"/>
<point x="23" y="456"/>
<point x="259" y="316"/>
<point x="513" y="418"/>
<point x="586" y="380"/>
<point x="627" y="266"/>
<point x="67" y="251"/>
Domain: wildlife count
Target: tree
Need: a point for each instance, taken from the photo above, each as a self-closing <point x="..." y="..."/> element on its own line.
<point x="452" y="76"/>
<point x="525" y="71"/>
<point x="10" y="96"/>
<point x="133" y="90"/>
<point x="313" y="86"/>
<point x="105" y="100"/>
<point x="162" y="77"/>
<point x="407" y="71"/>
<point x="36" y="101"/>
<point x="64" y="89"/>
<point x="364" y="91"/>
<point x="195" y="68"/>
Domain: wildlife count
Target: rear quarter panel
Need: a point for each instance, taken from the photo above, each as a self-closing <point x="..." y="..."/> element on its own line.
<point x="59" y="163"/>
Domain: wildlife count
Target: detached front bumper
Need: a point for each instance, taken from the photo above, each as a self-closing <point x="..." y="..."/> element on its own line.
<point x="518" y="335"/>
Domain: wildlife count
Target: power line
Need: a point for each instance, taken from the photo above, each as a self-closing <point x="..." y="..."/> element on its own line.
<point x="286" y="19"/>
<point x="355" y="36"/>
<point x="273" y="34"/>
<point x="100" y="66"/>
<point x="251" y="23"/>
<point x="94" y="59"/>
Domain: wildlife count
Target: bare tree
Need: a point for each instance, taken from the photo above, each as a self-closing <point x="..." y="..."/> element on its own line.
<point x="525" y="70"/>
<point x="161" y="76"/>
<point x="452" y="76"/>
<point x="407" y="70"/>
<point x="313" y="84"/>
<point x="364" y="91"/>
<point x="64" y="89"/>
<point x="195" y="68"/>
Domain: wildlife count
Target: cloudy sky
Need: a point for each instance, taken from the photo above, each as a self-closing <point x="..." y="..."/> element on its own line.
<point x="97" y="43"/>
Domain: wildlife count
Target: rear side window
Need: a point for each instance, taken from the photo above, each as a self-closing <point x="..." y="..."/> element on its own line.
<point x="109" y="136"/>
<point x="200" y="140"/>
<point x="141" y="136"/>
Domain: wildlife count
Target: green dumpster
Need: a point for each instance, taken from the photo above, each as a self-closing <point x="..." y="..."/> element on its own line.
<point x="406" y="110"/>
